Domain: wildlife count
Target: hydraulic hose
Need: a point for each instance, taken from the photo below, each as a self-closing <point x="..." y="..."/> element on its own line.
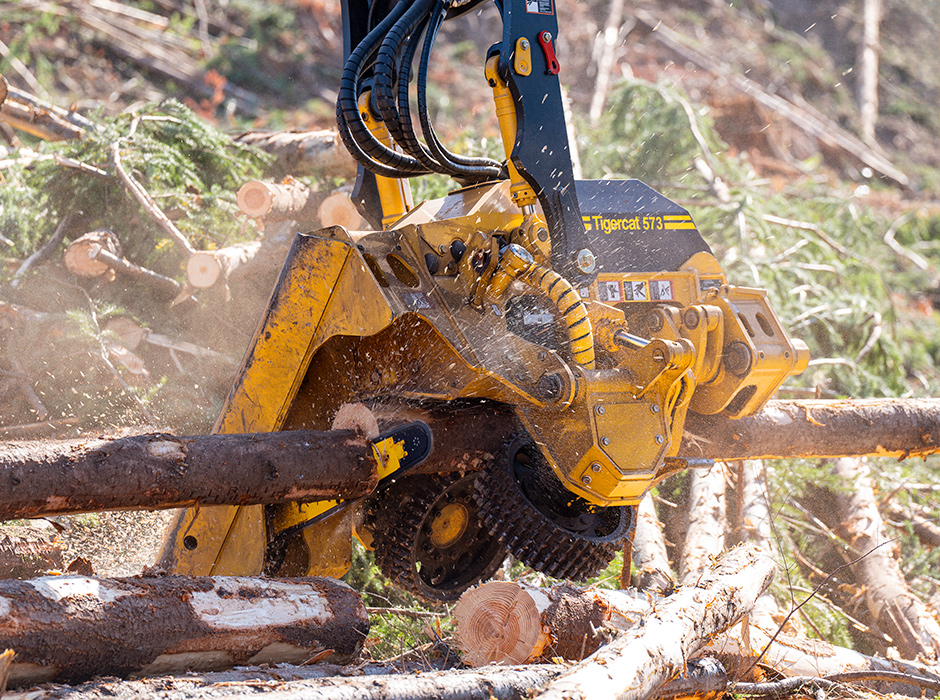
<point x="364" y="147"/>
<point x="571" y="308"/>
<point x="459" y="167"/>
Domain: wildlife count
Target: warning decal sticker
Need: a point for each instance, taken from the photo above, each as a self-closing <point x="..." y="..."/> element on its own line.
<point x="661" y="290"/>
<point x="539" y="7"/>
<point x="611" y="290"/>
<point x="635" y="290"/>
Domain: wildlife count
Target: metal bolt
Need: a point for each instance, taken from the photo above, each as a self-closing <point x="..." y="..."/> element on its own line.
<point x="605" y="441"/>
<point x="654" y="408"/>
<point x="586" y="480"/>
<point x="586" y="261"/>
<point x="599" y="410"/>
<point x="659" y="439"/>
<point x="546" y="37"/>
<point x="596" y="467"/>
<point x="524" y="44"/>
<point x="542" y="234"/>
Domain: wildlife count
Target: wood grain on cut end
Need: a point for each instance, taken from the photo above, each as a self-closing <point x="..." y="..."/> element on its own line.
<point x="497" y="622"/>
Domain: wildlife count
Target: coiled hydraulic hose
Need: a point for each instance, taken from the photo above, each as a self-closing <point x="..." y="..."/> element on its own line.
<point x="571" y="308"/>
<point x="458" y="167"/>
<point x="359" y="141"/>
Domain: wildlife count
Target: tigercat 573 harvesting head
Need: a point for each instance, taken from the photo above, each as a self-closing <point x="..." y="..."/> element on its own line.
<point x="561" y="329"/>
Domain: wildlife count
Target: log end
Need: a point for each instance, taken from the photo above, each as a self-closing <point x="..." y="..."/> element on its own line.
<point x="497" y="622"/>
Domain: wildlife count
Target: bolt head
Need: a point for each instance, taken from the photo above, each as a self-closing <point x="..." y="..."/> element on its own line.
<point x="546" y="36"/>
<point x="586" y="480"/>
<point x="605" y="441"/>
<point x="659" y="439"/>
<point x="524" y="45"/>
<point x="599" y="410"/>
<point x="586" y="261"/>
<point x="654" y="408"/>
<point x="596" y="467"/>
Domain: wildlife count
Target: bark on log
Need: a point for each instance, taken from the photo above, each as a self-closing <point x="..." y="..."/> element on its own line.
<point x="29" y="550"/>
<point x="654" y="574"/>
<point x="164" y="471"/>
<point x="159" y="283"/>
<point x="921" y="521"/>
<point x="819" y="428"/>
<point x="505" y="622"/>
<point x="302" y="153"/>
<point x="792" y="656"/>
<point x="757" y="528"/>
<point x="70" y="628"/>
<point x="290" y="199"/>
<point x="705" y="537"/>
<point x="901" y="615"/>
<point x="639" y="662"/>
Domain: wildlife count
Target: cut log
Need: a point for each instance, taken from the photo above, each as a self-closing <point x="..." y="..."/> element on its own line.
<point x="640" y="661"/>
<point x="163" y="471"/>
<point x="819" y="428"/>
<point x="793" y="656"/>
<point x="705" y="536"/>
<point x="29" y="550"/>
<point x="757" y="527"/>
<point x="70" y="628"/>
<point x="338" y="210"/>
<point x="506" y="622"/>
<point x="302" y="153"/>
<point x="81" y="257"/>
<point x="206" y="267"/>
<point x="900" y="614"/>
<point x="654" y="574"/>
<point x="921" y="521"/>
<point x="290" y="199"/>
<point x="371" y="682"/>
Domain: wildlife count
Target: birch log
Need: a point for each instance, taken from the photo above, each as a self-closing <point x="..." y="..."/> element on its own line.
<point x="819" y="428"/>
<point x="705" y="536"/>
<point x="654" y="573"/>
<point x="639" y="662"/>
<point x="70" y="628"/>
<point x="899" y="614"/>
<point x="165" y="471"/>
<point x="511" y="622"/>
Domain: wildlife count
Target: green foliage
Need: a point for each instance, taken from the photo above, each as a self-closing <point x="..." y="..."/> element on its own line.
<point x="191" y="169"/>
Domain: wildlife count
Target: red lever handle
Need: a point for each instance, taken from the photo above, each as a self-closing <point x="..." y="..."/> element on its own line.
<point x="552" y="66"/>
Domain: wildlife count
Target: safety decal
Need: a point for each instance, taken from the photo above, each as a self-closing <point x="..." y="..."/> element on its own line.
<point x="635" y="290"/>
<point x="610" y="290"/>
<point x="661" y="290"/>
<point x="540" y="7"/>
<point x="416" y="301"/>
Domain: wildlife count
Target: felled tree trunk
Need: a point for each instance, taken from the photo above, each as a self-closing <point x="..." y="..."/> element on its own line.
<point x="165" y="471"/>
<point x="299" y="153"/>
<point x="205" y="267"/>
<point x="510" y="622"/>
<point x="29" y="550"/>
<point x="705" y="537"/>
<point x="819" y="428"/>
<point x="636" y="664"/>
<point x="290" y="199"/>
<point x="901" y="615"/>
<point x="70" y="628"/>
<point x="654" y="573"/>
<point x="757" y="528"/>
<point x="791" y="656"/>
<point x="81" y="255"/>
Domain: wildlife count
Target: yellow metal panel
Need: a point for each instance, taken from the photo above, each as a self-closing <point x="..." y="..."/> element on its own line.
<point x="231" y="539"/>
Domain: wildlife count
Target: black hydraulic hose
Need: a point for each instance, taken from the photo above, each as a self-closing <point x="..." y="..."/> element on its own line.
<point x="371" y="153"/>
<point x="459" y="167"/>
<point x="386" y="63"/>
<point x="405" y="132"/>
